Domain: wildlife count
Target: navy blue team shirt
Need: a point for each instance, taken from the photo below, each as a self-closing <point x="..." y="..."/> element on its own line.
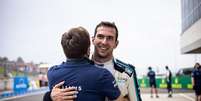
<point x="151" y="75"/>
<point x="93" y="83"/>
<point x="196" y="74"/>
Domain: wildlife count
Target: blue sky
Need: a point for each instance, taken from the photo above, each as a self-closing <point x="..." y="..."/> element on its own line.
<point x="149" y="30"/>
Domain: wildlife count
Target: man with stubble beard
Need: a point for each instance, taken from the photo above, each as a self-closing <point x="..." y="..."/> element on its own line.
<point x="105" y="40"/>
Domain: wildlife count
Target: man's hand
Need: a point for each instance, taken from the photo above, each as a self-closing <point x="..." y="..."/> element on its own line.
<point x="66" y="94"/>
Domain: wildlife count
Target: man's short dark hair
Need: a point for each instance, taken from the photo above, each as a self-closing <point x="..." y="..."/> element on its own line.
<point x="75" y="42"/>
<point x="107" y="24"/>
<point x="166" y="67"/>
<point x="149" y="68"/>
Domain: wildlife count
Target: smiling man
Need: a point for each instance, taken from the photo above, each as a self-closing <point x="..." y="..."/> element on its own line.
<point x="105" y="40"/>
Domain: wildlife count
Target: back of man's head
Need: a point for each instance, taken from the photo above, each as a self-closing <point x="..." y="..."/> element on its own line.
<point x="149" y="68"/>
<point x="166" y="67"/>
<point x="75" y="42"/>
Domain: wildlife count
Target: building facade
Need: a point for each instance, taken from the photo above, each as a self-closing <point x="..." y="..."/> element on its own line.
<point x="191" y="26"/>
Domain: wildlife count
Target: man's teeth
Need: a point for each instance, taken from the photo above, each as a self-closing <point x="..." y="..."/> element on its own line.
<point x="103" y="48"/>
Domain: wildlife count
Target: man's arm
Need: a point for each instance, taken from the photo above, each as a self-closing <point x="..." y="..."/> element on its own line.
<point x="192" y="80"/>
<point x="58" y="94"/>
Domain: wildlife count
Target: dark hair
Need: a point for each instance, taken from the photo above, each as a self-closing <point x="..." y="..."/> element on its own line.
<point x="107" y="24"/>
<point x="166" y="67"/>
<point x="197" y="65"/>
<point x="75" y="42"/>
<point x="149" y="68"/>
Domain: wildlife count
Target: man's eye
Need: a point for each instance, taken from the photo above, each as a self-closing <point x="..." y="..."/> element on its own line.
<point x="109" y="38"/>
<point x="100" y="36"/>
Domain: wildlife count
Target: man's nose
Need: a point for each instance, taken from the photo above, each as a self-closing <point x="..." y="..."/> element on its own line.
<point x="104" y="41"/>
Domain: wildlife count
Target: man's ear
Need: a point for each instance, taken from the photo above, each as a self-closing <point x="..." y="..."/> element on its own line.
<point x="92" y="39"/>
<point x="116" y="44"/>
<point x="88" y="53"/>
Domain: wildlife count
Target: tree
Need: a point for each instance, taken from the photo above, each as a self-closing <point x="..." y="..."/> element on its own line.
<point x="3" y="59"/>
<point x="20" y="60"/>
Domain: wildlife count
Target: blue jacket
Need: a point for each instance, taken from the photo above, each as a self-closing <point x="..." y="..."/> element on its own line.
<point x="93" y="83"/>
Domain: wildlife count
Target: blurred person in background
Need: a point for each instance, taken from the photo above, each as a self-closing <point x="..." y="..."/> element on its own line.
<point x="168" y="79"/>
<point x="152" y="82"/>
<point x="196" y="81"/>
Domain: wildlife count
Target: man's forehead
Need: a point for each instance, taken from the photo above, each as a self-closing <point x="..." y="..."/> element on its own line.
<point x="107" y="29"/>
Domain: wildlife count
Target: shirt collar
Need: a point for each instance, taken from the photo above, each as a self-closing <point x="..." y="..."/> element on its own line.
<point x="77" y="60"/>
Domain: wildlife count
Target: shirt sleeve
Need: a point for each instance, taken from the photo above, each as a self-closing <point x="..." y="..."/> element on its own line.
<point x="108" y="85"/>
<point x="193" y="73"/>
<point x="50" y="78"/>
<point x="46" y="96"/>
